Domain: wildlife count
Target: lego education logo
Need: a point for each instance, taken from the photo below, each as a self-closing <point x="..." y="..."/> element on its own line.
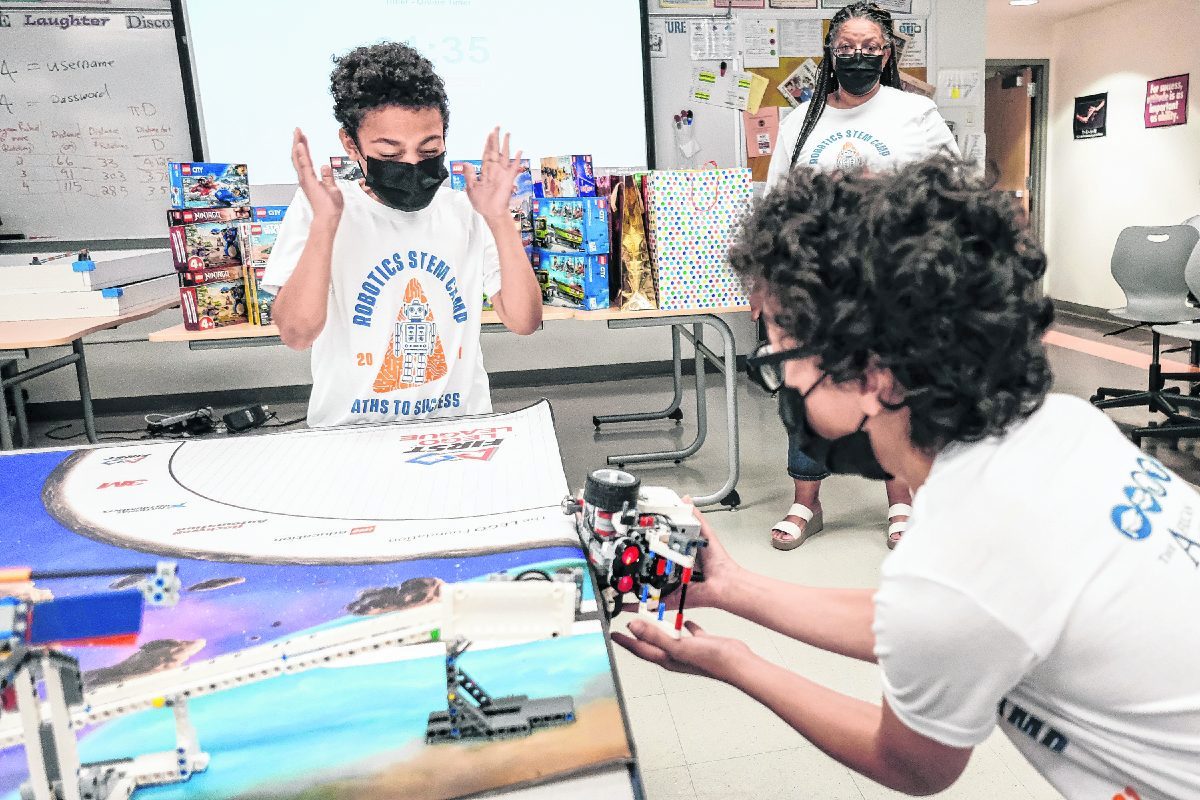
<point x="121" y="484"/>
<point x="476" y="444"/>
<point x="218" y="527"/>
<point x="142" y="509"/>
<point x="129" y="459"/>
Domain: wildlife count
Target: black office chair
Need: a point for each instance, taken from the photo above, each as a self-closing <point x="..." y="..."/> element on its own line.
<point x="1149" y="264"/>
<point x="1179" y="426"/>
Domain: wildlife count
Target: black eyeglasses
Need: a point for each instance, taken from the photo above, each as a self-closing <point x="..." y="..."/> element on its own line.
<point x="764" y="367"/>
<point x="849" y="51"/>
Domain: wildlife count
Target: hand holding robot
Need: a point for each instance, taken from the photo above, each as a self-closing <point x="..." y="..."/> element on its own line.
<point x="645" y="543"/>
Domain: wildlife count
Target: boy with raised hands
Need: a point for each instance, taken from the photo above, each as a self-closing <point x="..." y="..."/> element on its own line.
<point x="385" y="277"/>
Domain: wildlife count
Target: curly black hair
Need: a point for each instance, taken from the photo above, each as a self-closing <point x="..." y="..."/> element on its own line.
<point x="385" y="74"/>
<point x="921" y="271"/>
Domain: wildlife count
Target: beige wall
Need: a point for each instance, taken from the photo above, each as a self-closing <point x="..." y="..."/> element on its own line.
<point x="1134" y="176"/>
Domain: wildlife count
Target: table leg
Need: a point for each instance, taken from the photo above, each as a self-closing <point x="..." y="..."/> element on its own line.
<point x="727" y="363"/>
<point x="85" y="392"/>
<point x="670" y="412"/>
<point x="19" y="413"/>
<point x="6" y="440"/>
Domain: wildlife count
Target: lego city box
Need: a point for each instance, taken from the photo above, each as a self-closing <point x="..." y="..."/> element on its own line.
<point x="203" y="184"/>
<point x="213" y="298"/>
<point x="521" y="202"/>
<point x="205" y="238"/>
<point x="259" y="301"/>
<point x="268" y="213"/>
<point x="571" y="224"/>
<point x="573" y="280"/>
<point x="568" y="176"/>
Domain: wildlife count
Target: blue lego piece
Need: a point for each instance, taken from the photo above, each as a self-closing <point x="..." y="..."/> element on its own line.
<point x="86" y="265"/>
<point x="90" y="616"/>
<point x="112" y="291"/>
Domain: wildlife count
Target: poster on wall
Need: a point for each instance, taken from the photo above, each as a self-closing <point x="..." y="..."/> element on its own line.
<point x="897" y="6"/>
<point x="1166" y="101"/>
<point x="1091" y="116"/>
<point x="798" y="87"/>
<point x="793" y="3"/>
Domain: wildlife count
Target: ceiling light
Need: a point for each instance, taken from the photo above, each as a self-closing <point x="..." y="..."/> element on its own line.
<point x="1022" y="2"/>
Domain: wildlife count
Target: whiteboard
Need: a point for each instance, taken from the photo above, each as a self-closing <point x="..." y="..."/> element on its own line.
<point x="563" y="76"/>
<point x="91" y="110"/>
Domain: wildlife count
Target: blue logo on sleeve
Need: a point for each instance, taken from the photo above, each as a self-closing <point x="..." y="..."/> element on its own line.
<point x="1148" y="483"/>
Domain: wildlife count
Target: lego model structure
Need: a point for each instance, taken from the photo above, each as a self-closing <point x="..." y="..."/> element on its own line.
<point x="534" y="606"/>
<point x="640" y="541"/>
<point x="32" y="625"/>
<point x="538" y="607"/>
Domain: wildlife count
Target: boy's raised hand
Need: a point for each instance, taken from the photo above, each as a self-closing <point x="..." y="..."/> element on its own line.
<point x="491" y="190"/>
<point x="323" y="193"/>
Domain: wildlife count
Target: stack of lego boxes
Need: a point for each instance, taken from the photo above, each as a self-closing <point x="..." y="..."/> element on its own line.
<point x="571" y="235"/>
<point x="256" y="241"/>
<point x="520" y="205"/>
<point x="219" y="244"/>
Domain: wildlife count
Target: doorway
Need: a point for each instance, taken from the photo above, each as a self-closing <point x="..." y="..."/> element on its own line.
<point x="1016" y="109"/>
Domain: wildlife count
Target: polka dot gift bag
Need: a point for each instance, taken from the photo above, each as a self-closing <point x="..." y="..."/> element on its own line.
<point x="694" y="215"/>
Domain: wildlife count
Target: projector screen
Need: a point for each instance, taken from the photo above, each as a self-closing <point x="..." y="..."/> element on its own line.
<point x="564" y="76"/>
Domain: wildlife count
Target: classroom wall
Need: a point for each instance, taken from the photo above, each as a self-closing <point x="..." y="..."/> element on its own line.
<point x="123" y="364"/>
<point x="1133" y="176"/>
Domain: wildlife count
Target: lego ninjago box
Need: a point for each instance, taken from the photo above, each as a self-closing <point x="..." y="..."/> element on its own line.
<point x="206" y="238"/>
<point x="213" y="298"/>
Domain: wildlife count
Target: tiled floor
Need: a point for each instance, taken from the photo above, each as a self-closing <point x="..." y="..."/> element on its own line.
<point x="700" y="739"/>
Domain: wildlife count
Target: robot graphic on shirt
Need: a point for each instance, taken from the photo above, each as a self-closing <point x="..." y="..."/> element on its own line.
<point x="414" y="341"/>
<point x="849" y="158"/>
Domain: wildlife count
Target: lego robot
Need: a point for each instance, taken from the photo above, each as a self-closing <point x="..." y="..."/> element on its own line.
<point x="414" y="342"/>
<point x="640" y="541"/>
<point x="32" y="625"/>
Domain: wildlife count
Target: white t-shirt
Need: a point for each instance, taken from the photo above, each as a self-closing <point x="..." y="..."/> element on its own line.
<point x="1049" y="581"/>
<point x="891" y="129"/>
<point x="401" y="339"/>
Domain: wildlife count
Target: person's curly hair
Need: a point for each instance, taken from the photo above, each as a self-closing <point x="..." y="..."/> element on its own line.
<point x="921" y="271"/>
<point x="385" y="74"/>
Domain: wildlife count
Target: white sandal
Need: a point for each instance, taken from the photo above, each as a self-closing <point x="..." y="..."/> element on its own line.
<point x="813" y="523"/>
<point x="896" y="529"/>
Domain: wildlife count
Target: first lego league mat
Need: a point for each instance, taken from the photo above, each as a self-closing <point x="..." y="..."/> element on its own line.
<point x="288" y="536"/>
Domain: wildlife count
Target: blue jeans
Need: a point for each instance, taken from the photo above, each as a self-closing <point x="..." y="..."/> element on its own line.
<point x="801" y="466"/>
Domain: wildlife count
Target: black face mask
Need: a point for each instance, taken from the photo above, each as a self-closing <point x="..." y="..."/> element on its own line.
<point x="407" y="187"/>
<point x="859" y="73"/>
<point x="845" y="455"/>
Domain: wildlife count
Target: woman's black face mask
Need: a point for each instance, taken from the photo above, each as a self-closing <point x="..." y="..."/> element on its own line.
<point x="846" y="455"/>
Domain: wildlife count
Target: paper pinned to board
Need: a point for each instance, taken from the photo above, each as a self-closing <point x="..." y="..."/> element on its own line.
<point x="762" y="131"/>
<point x="725" y="87"/>
<point x="758" y="90"/>
<point x="760" y="43"/>
<point x="713" y="40"/>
